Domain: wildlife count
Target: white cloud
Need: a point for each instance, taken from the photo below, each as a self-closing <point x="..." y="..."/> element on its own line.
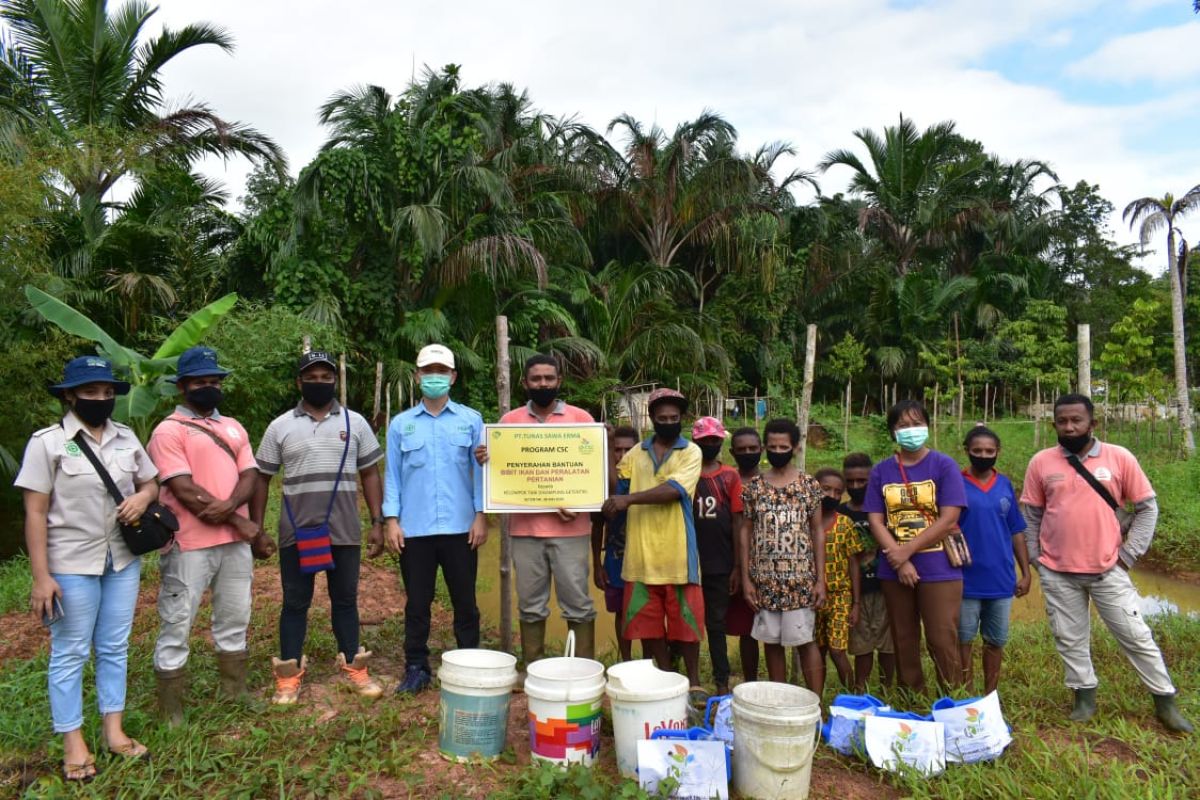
<point x="1158" y="55"/>
<point x="809" y="72"/>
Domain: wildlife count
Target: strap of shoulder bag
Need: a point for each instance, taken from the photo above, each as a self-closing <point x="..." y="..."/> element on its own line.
<point x="1087" y="475"/>
<point x="100" y="469"/>
<point x="219" y="441"/>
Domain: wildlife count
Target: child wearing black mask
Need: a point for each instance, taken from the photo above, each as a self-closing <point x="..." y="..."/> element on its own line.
<point x="871" y="634"/>
<point x="842" y="578"/>
<point x="746" y="447"/>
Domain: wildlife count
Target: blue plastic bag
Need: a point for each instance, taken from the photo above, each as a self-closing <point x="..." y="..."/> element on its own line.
<point x="844" y="729"/>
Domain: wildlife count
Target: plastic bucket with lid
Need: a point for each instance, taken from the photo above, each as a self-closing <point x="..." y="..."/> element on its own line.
<point x="644" y="699"/>
<point x="776" y="727"/>
<point x="476" y="686"/>
<point x="565" y="707"/>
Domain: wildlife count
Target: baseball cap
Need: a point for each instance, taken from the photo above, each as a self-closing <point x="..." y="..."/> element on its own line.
<point x="706" y="427"/>
<point x="435" y="354"/>
<point x="664" y="394"/>
<point x="315" y="357"/>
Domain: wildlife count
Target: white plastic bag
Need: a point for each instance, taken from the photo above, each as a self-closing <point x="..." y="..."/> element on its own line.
<point x="975" y="728"/>
<point x="918" y="743"/>
<point x="699" y="766"/>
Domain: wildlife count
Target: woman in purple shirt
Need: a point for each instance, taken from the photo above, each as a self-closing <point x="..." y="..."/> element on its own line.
<point x="913" y="502"/>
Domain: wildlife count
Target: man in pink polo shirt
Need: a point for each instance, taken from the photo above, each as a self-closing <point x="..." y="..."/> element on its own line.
<point x="554" y="544"/>
<point x="1074" y="536"/>
<point x="208" y="474"/>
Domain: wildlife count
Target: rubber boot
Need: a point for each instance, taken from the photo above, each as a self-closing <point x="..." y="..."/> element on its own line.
<point x="533" y="644"/>
<point x="231" y="668"/>
<point x="1085" y="705"/>
<point x="585" y="638"/>
<point x="992" y="657"/>
<point x="171" y="685"/>
<point x="1168" y="714"/>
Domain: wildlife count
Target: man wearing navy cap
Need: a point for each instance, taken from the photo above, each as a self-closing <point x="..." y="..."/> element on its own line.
<point x="208" y="476"/>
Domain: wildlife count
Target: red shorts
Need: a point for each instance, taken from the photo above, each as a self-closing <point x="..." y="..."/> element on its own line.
<point x="671" y="611"/>
<point x="739" y="619"/>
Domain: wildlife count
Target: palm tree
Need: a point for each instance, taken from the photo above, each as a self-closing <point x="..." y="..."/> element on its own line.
<point x="86" y="78"/>
<point x="1151" y="215"/>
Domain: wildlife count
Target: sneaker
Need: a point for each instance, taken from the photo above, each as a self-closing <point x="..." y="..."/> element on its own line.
<point x="415" y="679"/>
<point x="355" y="676"/>
<point x="288" y="677"/>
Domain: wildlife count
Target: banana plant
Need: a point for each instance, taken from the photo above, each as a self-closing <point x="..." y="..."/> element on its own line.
<point x="147" y="375"/>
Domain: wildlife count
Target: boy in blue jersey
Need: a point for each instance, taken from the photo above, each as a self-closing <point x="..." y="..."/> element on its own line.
<point x="994" y="528"/>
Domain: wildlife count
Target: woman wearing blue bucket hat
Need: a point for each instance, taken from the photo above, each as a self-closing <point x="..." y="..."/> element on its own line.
<point x="85" y="580"/>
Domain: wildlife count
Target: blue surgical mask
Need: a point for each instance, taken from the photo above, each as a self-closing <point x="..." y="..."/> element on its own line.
<point x="435" y="386"/>
<point x="912" y="439"/>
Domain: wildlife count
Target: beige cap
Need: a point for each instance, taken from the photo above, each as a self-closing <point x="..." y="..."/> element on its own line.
<point x="435" y="354"/>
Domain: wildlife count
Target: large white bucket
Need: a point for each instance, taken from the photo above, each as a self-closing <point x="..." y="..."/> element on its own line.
<point x="565" y="707"/>
<point x="476" y="686"/>
<point x="644" y="700"/>
<point x="775" y="728"/>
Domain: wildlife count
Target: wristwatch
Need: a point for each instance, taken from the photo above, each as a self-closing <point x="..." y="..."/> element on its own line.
<point x="378" y="520"/>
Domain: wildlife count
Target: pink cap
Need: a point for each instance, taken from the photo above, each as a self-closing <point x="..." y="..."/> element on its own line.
<point x="706" y="427"/>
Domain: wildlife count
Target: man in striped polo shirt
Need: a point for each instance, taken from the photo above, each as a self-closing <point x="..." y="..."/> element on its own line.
<point x="310" y="443"/>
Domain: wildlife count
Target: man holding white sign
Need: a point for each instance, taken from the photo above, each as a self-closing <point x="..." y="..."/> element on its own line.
<point x="551" y="544"/>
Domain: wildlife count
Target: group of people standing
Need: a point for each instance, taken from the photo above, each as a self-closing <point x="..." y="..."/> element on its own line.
<point x="842" y="564"/>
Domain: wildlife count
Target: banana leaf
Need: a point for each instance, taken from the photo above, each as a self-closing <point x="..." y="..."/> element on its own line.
<point x="73" y="322"/>
<point x="191" y="331"/>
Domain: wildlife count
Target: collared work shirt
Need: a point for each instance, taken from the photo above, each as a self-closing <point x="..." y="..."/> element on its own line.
<point x="309" y="450"/>
<point x="548" y="524"/>
<point x="432" y="482"/>
<point x="179" y="449"/>
<point x="660" y="539"/>
<point x="1079" y="531"/>
<point x="82" y="526"/>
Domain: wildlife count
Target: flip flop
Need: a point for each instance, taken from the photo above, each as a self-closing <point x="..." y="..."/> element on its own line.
<point x="79" y="773"/>
<point x="134" y="750"/>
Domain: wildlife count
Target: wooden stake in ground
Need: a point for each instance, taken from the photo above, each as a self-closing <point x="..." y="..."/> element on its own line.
<point x="504" y="398"/>
<point x="1085" y="360"/>
<point x="378" y="391"/>
<point x="810" y="358"/>
<point x="1037" y="413"/>
<point x="342" y="377"/>
<point x="937" y="390"/>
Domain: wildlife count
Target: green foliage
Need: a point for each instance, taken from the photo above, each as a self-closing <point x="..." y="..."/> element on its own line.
<point x="1037" y="347"/>
<point x="847" y="358"/>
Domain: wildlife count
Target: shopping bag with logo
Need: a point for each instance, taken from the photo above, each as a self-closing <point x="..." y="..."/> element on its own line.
<point x="695" y="768"/>
<point x="894" y="738"/>
<point x="718" y="716"/>
<point x="844" y="729"/>
<point x="975" y="728"/>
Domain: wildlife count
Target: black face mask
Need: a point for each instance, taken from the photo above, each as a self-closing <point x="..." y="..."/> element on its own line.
<point x="94" y="412"/>
<point x="830" y="503"/>
<point x="1074" y="444"/>
<point x="780" y="460"/>
<point x="204" y="398"/>
<point x="747" y="461"/>
<point x="317" y="394"/>
<point x="668" y="431"/>
<point x="857" y="495"/>
<point x="542" y="397"/>
<point x="711" y="452"/>
<point x="981" y="464"/>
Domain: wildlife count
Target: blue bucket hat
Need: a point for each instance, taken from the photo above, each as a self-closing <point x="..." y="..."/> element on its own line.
<point x="88" y="369"/>
<point x="197" y="362"/>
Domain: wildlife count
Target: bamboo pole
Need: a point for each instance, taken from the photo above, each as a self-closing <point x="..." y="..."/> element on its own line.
<point x="846" y="418"/>
<point x="387" y="405"/>
<point x="937" y="390"/>
<point x="1085" y="359"/>
<point x="342" y="377"/>
<point x="810" y="358"/>
<point x="1037" y="413"/>
<point x="985" y="403"/>
<point x="504" y="398"/>
<point x="378" y="391"/>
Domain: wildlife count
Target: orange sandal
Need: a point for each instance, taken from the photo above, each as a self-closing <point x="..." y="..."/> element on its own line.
<point x="134" y="750"/>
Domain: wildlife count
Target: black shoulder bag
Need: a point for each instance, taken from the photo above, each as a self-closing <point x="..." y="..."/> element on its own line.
<point x="157" y="526"/>
<point x="1124" y="518"/>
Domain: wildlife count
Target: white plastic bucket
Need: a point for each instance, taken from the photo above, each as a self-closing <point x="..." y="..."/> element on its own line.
<point x="476" y="686"/>
<point x="565" y="707"/>
<point x="775" y="728"/>
<point x="644" y="699"/>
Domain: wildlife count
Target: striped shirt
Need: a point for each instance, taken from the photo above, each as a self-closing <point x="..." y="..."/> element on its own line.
<point x="309" y="451"/>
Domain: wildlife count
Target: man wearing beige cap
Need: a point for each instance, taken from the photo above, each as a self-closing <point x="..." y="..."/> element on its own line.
<point x="433" y="509"/>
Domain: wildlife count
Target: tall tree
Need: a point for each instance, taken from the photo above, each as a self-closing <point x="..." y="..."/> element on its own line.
<point x="1151" y="215"/>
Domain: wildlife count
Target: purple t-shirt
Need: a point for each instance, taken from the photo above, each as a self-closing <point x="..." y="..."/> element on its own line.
<point x="935" y="481"/>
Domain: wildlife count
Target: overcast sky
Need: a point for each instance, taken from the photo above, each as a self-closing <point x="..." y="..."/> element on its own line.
<point x="1104" y="90"/>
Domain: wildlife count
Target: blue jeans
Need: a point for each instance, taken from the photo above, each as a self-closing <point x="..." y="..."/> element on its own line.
<point x="97" y="613"/>
<point x="989" y="616"/>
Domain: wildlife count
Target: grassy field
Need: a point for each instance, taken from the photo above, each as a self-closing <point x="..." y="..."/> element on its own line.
<point x="333" y="745"/>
